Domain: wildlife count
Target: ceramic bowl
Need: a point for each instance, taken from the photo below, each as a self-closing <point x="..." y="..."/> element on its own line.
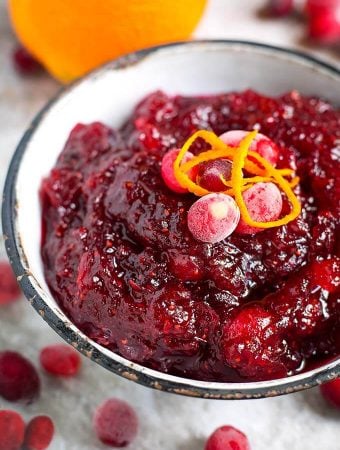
<point x="109" y="95"/>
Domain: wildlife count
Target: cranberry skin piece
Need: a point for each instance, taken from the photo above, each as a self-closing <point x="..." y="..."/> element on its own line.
<point x="331" y="392"/>
<point x="208" y="175"/>
<point x="280" y="8"/>
<point x="213" y="217"/>
<point x="12" y="429"/>
<point x="19" y="380"/>
<point x="24" y="62"/>
<point x="264" y="204"/>
<point x="115" y="423"/>
<point x="39" y="433"/>
<point x="60" y="360"/>
<point x="9" y="288"/>
<point x="262" y="145"/>
<point x="167" y="170"/>
<point x="227" y="438"/>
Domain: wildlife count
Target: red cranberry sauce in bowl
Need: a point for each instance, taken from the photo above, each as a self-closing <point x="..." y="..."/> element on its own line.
<point x="182" y="282"/>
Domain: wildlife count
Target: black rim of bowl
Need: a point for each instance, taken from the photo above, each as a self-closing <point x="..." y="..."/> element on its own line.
<point x="104" y="357"/>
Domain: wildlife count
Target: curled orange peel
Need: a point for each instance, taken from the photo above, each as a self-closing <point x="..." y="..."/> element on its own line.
<point x="242" y="159"/>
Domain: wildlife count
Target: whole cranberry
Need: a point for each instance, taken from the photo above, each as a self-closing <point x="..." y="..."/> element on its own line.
<point x="61" y="360"/>
<point x="227" y="438"/>
<point x="24" y="62"/>
<point x="9" y="288"/>
<point x="331" y="392"/>
<point x="280" y="7"/>
<point x="115" y="423"/>
<point x="12" y="428"/>
<point x="39" y="433"/>
<point x="19" y="380"/>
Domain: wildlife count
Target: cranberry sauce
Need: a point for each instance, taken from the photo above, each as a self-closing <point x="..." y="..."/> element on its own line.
<point x="122" y="263"/>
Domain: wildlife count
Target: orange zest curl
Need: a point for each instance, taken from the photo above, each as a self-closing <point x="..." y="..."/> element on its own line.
<point x="242" y="159"/>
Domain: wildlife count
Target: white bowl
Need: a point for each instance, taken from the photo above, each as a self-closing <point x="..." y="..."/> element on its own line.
<point x="109" y="95"/>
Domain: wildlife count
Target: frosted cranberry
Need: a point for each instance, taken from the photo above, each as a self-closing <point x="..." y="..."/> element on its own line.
<point x="39" y="433"/>
<point x="264" y="204"/>
<point x="115" y="423"/>
<point x="19" y="380"/>
<point x="213" y="217"/>
<point x="209" y="174"/>
<point x="227" y="438"/>
<point x="12" y="428"/>
<point x="261" y="144"/>
<point x="253" y="345"/>
<point x="331" y="392"/>
<point x="61" y="360"/>
<point x="9" y="288"/>
<point x="280" y="7"/>
<point x="167" y="170"/>
<point x="24" y="62"/>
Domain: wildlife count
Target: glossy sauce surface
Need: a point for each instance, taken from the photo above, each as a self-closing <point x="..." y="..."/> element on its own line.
<point x="121" y="262"/>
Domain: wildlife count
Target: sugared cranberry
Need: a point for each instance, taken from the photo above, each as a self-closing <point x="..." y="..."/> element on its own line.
<point x="167" y="170"/>
<point x="61" y="360"/>
<point x="280" y="7"/>
<point x="331" y="392"/>
<point x="262" y="145"/>
<point x="9" y="288"/>
<point x="115" y="423"/>
<point x="24" y="62"/>
<point x="227" y="438"/>
<point x="209" y="174"/>
<point x="19" y="380"/>
<point x="264" y="204"/>
<point x="12" y="429"/>
<point x="39" y="433"/>
<point x="213" y="217"/>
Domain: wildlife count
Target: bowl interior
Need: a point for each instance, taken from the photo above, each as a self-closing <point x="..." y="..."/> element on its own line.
<point x="110" y="94"/>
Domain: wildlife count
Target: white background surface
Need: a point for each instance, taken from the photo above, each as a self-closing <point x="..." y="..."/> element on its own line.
<point x="296" y="422"/>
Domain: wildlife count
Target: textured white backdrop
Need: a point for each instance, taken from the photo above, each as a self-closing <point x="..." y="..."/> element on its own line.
<point x="168" y="422"/>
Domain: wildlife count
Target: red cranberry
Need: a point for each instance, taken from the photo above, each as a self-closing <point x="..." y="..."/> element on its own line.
<point x="61" y="360"/>
<point x="168" y="170"/>
<point x="262" y="145"/>
<point x="185" y="267"/>
<point x="24" y="62"/>
<point x="324" y="20"/>
<point x="280" y="7"/>
<point x="227" y="438"/>
<point x="213" y="217"/>
<point x="39" y="433"/>
<point x="115" y="423"/>
<point x="19" y="380"/>
<point x="9" y="288"/>
<point x="264" y="204"/>
<point x="12" y="428"/>
<point x="331" y="392"/>
<point x="209" y="174"/>
<point x="252" y="344"/>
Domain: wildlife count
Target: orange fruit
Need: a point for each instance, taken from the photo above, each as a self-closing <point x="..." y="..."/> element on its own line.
<point x="70" y="37"/>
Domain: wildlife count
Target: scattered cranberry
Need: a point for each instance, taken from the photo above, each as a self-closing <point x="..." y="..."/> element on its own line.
<point x="213" y="217"/>
<point x="12" y="428"/>
<point x="168" y="170"/>
<point x="115" y="423"/>
<point x="61" y="360"/>
<point x="261" y="144"/>
<point x="331" y="392"/>
<point x="324" y="20"/>
<point x="227" y="438"/>
<point x="280" y="7"/>
<point x="9" y="289"/>
<point x="264" y="204"/>
<point x="39" y="433"/>
<point x="19" y="380"/>
<point x="24" y="62"/>
<point x="209" y="174"/>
